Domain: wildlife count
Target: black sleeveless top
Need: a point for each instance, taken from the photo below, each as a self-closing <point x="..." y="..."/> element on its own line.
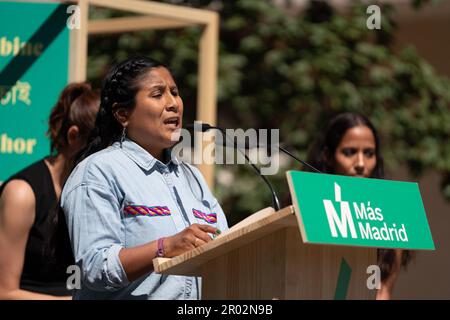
<point x="43" y="271"/>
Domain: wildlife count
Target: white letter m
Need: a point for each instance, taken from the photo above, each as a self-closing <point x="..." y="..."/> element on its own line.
<point x="342" y="221"/>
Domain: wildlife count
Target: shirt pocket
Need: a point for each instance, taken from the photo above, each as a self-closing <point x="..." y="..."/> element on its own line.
<point x="134" y="210"/>
<point x="204" y="215"/>
<point x="146" y="222"/>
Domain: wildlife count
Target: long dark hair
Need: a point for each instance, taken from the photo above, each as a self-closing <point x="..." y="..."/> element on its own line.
<point x="119" y="90"/>
<point x="77" y="105"/>
<point x="321" y="156"/>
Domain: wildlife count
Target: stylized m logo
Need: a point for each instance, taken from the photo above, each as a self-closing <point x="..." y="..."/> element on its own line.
<point x="342" y="221"/>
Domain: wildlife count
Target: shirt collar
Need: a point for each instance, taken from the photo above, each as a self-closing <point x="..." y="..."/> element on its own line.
<point x="143" y="158"/>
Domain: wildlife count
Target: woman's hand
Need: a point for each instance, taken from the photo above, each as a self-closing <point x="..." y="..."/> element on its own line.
<point x="138" y="261"/>
<point x="193" y="236"/>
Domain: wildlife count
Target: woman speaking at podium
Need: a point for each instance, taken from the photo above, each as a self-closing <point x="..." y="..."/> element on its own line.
<point x="350" y="146"/>
<point x="129" y="201"/>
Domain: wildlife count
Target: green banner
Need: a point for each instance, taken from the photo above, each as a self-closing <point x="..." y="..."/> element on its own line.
<point x="34" y="49"/>
<point x="353" y="211"/>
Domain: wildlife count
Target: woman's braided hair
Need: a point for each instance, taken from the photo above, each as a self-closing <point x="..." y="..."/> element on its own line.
<point x="119" y="90"/>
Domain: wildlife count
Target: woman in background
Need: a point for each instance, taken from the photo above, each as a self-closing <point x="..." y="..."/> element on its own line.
<point x="350" y="146"/>
<point x="28" y="205"/>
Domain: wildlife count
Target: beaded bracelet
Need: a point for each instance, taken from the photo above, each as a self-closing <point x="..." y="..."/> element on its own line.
<point x="160" y="252"/>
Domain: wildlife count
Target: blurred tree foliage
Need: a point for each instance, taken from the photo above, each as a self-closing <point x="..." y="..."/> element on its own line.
<point x="284" y="68"/>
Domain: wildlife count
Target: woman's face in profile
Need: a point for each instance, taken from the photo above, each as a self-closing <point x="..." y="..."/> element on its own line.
<point x="356" y="154"/>
<point x="157" y="115"/>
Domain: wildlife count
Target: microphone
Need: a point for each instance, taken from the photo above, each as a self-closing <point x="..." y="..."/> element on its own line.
<point x="299" y="160"/>
<point x="205" y="127"/>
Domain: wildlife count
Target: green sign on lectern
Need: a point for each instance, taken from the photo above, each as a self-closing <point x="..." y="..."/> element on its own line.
<point x="34" y="49"/>
<point x="353" y="211"/>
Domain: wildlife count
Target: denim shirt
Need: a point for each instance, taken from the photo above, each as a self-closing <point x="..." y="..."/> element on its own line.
<point x="122" y="197"/>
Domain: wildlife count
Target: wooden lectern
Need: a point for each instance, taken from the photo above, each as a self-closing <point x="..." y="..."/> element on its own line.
<point x="264" y="257"/>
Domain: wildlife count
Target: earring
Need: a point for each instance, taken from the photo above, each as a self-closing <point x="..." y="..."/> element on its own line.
<point x="122" y="137"/>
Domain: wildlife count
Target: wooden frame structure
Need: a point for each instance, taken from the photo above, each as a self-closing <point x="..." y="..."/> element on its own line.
<point x="154" y="15"/>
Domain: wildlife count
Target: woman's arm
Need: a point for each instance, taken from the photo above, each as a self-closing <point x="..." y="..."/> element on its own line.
<point x="97" y="236"/>
<point x="385" y="291"/>
<point x="17" y="214"/>
<point x="138" y="261"/>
